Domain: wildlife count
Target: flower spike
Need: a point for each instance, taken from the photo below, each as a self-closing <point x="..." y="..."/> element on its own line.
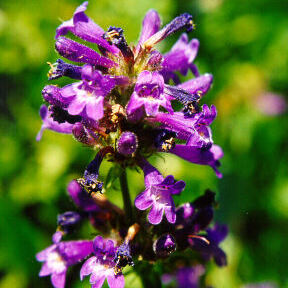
<point x="122" y="103"/>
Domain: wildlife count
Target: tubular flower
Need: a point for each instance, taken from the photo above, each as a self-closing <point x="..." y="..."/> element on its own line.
<point x="158" y="195"/>
<point x="102" y="265"/>
<point x="58" y="257"/>
<point x="122" y="103"/>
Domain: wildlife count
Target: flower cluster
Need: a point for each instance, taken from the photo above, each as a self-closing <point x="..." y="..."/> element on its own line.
<point x="123" y="105"/>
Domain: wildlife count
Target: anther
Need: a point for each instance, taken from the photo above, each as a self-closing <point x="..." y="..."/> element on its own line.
<point x="115" y="36"/>
<point x="165" y="140"/>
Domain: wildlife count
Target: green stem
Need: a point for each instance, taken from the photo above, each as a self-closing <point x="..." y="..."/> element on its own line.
<point x="126" y="197"/>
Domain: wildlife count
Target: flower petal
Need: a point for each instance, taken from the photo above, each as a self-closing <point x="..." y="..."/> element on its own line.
<point x="143" y="200"/>
<point x="201" y="83"/>
<point x="170" y="213"/>
<point x="80" y="53"/>
<point x="98" y="275"/>
<point x="198" y="156"/>
<point x="42" y="255"/>
<point x="156" y="214"/>
<point x="115" y="281"/>
<point x="87" y="267"/>
<point x="98" y="243"/>
<point x="169" y="180"/>
<point x="99" y="282"/>
<point x="134" y="103"/>
<point x="151" y="174"/>
<point x="75" y="251"/>
<point x="58" y="280"/>
<point x="82" y="26"/>
<point x="151" y="107"/>
<point x="77" y="106"/>
<point x="178" y="187"/>
<point x="45" y="270"/>
<point x="150" y="25"/>
<point x="94" y="108"/>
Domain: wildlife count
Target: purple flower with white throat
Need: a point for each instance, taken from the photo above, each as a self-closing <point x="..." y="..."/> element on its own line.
<point x="58" y="257"/>
<point x="102" y="265"/>
<point x="87" y="96"/>
<point x="148" y="92"/>
<point x="158" y="194"/>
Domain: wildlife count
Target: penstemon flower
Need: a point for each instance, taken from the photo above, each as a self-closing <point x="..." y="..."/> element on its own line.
<point x="121" y="103"/>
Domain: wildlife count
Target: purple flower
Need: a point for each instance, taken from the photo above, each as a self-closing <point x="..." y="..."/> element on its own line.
<point x="58" y="257"/>
<point x="83" y="27"/>
<point x="271" y="104"/>
<point x="52" y="94"/>
<point x="210" y="249"/>
<point x="148" y="92"/>
<point x="188" y="277"/>
<point x="49" y="123"/>
<point x="193" y="218"/>
<point x="121" y="105"/>
<point x="80" y="53"/>
<point x="180" y="58"/>
<point x="158" y="194"/>
<point x="81" y="198"/>
<point x="102" y="265"/>
<point x="199" y="85"/>
<point x="87" y="97"/>
<point x="193" y="128"/>
<point x="198" y="156"/>
<point x="150" y="26"/>
<point x="183" y="21"/>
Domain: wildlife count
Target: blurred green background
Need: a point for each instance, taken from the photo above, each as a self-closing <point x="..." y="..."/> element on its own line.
<point x="244" y="44"/>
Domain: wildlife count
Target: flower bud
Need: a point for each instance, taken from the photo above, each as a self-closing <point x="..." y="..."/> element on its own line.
<point x="81" y="134"/>
<point x="52" y="94"/>
<point x="127" y="143"/>
<point x="68" y="220"/>
<point x="164" y="245"/>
